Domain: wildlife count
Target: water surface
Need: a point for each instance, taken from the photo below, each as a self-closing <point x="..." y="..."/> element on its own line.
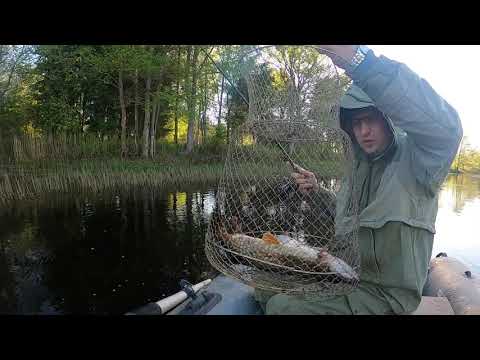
<point x="109" y="253"/>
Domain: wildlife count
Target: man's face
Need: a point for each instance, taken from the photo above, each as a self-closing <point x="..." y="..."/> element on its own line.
<point x="370" y="130"/>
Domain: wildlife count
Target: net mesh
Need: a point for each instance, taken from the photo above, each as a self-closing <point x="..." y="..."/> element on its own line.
<point x="265" y="230"/>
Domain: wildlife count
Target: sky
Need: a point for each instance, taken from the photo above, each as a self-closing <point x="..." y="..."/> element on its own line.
<point x="452" y="70"/>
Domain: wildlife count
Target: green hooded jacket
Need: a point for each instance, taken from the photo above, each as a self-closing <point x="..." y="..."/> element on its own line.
<point x="397" y="191"/>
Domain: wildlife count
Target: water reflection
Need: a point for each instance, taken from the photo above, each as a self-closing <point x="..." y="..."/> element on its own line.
<point x="459" y="190"/>
<point x="102" y="253"/>
<point x="459" y="206"/>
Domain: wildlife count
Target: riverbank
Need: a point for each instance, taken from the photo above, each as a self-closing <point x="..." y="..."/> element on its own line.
<point x="30" y="179"/>
<point x="32" y="167"/>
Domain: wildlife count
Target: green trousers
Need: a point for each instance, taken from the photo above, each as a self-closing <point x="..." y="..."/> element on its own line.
<point x="366" y="299"/>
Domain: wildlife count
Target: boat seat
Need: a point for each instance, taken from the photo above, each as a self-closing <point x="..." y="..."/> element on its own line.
<point x="431" y="305"/>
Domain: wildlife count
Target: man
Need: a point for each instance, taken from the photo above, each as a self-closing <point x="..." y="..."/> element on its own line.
<point x="405" y="137"/>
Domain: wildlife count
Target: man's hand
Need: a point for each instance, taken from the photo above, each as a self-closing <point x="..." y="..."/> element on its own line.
<point x="305" y="180"/>
<point x="340" y="54"/>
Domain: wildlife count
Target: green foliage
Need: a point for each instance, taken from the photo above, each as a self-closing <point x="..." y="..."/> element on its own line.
<point x="17" y="98"/>
<point x="15" y="64"/>
<point x="220" y="136"/>
<point x="468" y="161"/>
<point x="73" y="89"/>
<point x="182" y="130"/>
<point x="18" y="109"/>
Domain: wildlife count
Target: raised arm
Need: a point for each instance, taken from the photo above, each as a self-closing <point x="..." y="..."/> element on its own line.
<point x="433" y="126"/>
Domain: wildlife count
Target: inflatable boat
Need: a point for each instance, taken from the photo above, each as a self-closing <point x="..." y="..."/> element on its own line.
<point x="451" y="289"/>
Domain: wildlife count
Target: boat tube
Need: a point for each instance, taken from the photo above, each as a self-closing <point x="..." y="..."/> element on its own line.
<point x="450" y="278"/>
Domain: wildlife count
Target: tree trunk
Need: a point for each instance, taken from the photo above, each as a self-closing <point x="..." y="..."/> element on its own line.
<point x="153" y="128"/>
<point x="188" y="82"/>
<point x="205" y="105"/>
<point x="146" y="123"/>
<point x="176" y="96"/>
<point x="199" y="123"/>
<point x="154" y="134"/>
<point x="192" y="100"/>
<point x="136" y="111"/>
<point x="124" y="114"/>
<point x="82" y="110"/>
<point x="199" y="126"/>
<point x="156" y="115"/>
<point x="220" y="101"/>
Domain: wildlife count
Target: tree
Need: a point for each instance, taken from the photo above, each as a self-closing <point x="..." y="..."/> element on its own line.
<point x="118" y="64"/>
<point x="17" y="78"/>
<point x="467" y="159"/>
<point x="137" y="101"/>
<point x="146" y="121"/>
<point x="157" y="71"/>
<point x="177" y="92"/>
<point x="235" y="65"/>
<point x="192" y="92"/>
<point x="458" y="160"/>
<point x="123" y="109"/>
<point x="75" y="88"/>
<point x="220" y="101"/>
<point x="15" y="61"/>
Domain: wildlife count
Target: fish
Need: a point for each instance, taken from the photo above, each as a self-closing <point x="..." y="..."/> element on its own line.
<point x="286" y="251"/>
<point x="269" y="238"/>
<point x="339" y="266"/>
<point x="334" y="263"/>
<point x="266" y="250"/>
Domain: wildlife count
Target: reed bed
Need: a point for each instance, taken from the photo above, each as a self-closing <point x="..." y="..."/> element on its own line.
<point x="31" y="167"/>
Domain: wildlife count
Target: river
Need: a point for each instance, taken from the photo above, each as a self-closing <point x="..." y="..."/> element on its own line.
<point x="109" y="253"/>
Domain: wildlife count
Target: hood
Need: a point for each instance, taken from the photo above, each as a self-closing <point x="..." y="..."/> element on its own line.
<point x="354" y="99"/>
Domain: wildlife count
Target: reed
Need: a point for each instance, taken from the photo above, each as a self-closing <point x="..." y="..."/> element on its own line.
<point x="32" y="167"/>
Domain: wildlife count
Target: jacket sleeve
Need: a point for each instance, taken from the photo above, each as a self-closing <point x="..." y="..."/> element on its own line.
<point x="432" y="126"/>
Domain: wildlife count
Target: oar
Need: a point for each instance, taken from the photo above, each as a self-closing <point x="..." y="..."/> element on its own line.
<point x="163" y="306"/>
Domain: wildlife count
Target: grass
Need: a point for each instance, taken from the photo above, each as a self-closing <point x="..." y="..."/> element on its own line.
<point x="98" y="175"/>
<point x="31" y="167"/>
